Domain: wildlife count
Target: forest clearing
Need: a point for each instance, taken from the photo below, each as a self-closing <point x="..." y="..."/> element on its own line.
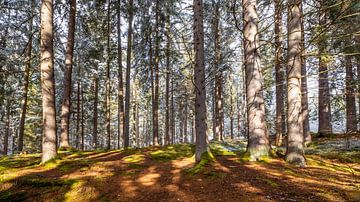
<point x="168" y="174"/>
<point x="179" y="100"/>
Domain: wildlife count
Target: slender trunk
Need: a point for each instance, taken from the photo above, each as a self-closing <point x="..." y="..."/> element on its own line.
<point x="279" y="75"/>
<point x="258" y="143"/>
<point x="7" y="128"/>
<point x="66" y="102"/>
<point x="172" y="112"/>
<point x="156" y="87"/>
<point x="107" y="84"/>
<point x="199" y="78"/>
<point x="78" y="108"/>
<point x="351" y="123"/>
<point x="49" y="147"/>
<point x="167" y="87"/>
<point x="82" y="119"/>
<point x="358" y="80"/>
<point x="304" y="89"/>
<point x="128" y="67"/>
<point x="95" y="117"/>
<point x="324" y="91"/>
<point x="295" y="138"/>
<point x="120" y="78"/>
<point x="26" y="84"/>
<point x="186" y="120"/>
<point x="231" y="116"/>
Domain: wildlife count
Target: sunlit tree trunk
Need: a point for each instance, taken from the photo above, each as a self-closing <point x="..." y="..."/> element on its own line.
<point x="351" y="123"/>
<point x="95" y="116"/>
<point x="82" y="119"/>
<point x="128" y="67"/>
<point x="26" y="83"/>
<point x="107" y="82"/>
<point x="258" y="143"/>
<point x="186" y="120"/>
<point x="279" y="75"/>
<point x="295" y="138"/>
<point x="167" y="84"/>
<point x="231" y="115"/>
<point x="156" y="68"/>
<point x="172" y="123"/>
<point x="304" y="88"/>
<point x="78" y="108"/>
<point x="66" y="102"/>
<point x="324" y="90"/>
<point x="120" y="78"/>
<point x="199" y="78"/>
<point x="49" y="147"/>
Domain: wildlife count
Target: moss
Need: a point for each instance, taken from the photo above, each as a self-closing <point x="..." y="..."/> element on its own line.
<point x="13" y="196"/>
<point x="215" y="175"/>
<point x="135" y="158"/>
<point x="268" y="181"/>
<point x="219" y="150"/>
<point x="37" y="181"/>
<point x="137" y="166"/>
<point x="206" y="158"/>
<point x="172" y="152"/>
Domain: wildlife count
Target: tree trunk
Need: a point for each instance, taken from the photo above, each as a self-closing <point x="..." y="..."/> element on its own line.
<point x="358" y="77"/>
<point x="26" y="83"/>
<point x="304" y="89"/>
<point x="120" y="78"/>
<point x="295" y="138"/>
<point x="7" y="128"/>
<point x="156" y="87"/>
<point x="324" y="91"/>
<point x="279" y="75"/>
<point x="172" y="112"/>
<point x="199" y="78"/>
<point x="231" y="115"/>
<point x="167" y="87"/>
<point x="49" y="147"/>
<point x="128" y="67"/>
<point x="78" y="108"/>
<point x="82" y="119"/>
<point x="107" y="82"/>
<point x="66" y="102"/>
<point x="351" y="123"/>
<point x="258" y="143"/>
<point x="185" y="120"/>
<point x="95" y="117"/>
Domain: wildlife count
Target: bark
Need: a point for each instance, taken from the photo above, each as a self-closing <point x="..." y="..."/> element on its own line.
<point x="167" y="84"/>
<point x="279" y="75"/>
<point x="304" y="89"/>
<point x="66" y="102"/>
<point x="95" y="117"/>
<point x="172" y="112"/>
<point x="351" y="122"/>
<point x="358" y="77"/>
<point x="49" y="147"/>
<point x="128" y="67"/>
<point x="120" y="78"/>
<point x="156" y="87"/>
<point x="78" y="108"/>
<point x="218" y="76"/>
<point x="107" y="83"/>
<point x="185" y="120"/>
<point x="295" y="138"/>
<point x="26" y="84"/>
<point x="82" y="119"/>
<point x="324" y="90"/>
<point x="7" y="128"/>
<point x="258" y="143"/>
<point x="231" y="116"/>
<point x="199" y="78"/>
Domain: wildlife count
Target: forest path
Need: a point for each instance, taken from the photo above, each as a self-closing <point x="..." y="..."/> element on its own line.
<point x="164" y="174"/>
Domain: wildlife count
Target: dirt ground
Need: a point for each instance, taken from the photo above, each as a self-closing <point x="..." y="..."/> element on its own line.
<point x="165" y="174"/>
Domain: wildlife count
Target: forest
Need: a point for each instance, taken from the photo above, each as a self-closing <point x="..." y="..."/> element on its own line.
<point x="180" y="100"/>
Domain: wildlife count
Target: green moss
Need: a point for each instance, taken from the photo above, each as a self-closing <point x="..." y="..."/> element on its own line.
<point x="219" y="150"/>
<point x="137" y="166"/>
<point x="268" y="181"/>
<point x="135" y="158"/>
<point x="38" y="182"/>
<point x="206" y="158"/>
<point x="13" y="196"/>
<point x="215" y="175"/>
<point x="172" y="152"/>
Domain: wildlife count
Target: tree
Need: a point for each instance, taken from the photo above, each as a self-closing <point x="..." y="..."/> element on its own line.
<point x="128" y="67"/>
<point x="258" y="143"/>
<point x="66" y="103"/>
<point x="295" y="138"/>
<point x="26" y="82"/>
<point x="107" y="82"/>
<point x="156" y="87"/>
<point x="199" y="78"/>
<point x="167" y="83"/>
<point x="47" y="81"/>
<point x="324" y="90"/>
<point x="351" y="123"/>
<point x="280" y="127"/>
<point x="120" y="77"/>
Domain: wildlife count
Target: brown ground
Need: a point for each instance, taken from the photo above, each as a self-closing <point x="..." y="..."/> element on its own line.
<point x="112" y="177"/>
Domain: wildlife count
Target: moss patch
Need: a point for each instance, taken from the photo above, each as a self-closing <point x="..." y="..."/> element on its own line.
<point x="206" y="158"/>
<point x="172" y="152"/>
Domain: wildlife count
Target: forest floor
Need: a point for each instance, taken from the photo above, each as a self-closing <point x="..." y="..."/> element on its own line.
<point x="169" y="174"/>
